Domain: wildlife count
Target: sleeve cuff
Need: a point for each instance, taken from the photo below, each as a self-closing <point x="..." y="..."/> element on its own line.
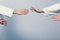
<point x="6" y="11"/>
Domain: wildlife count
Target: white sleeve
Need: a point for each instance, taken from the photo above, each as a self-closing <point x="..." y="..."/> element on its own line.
<point x="51" y="8"/>
<point x="6" y="11"/>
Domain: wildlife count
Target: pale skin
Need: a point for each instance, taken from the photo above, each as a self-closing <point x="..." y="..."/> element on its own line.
<point x="56" y="16"/>
<point x="19" y="12"/>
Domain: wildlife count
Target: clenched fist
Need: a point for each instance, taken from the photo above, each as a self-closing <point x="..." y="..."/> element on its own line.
<point x="21" y="11"/>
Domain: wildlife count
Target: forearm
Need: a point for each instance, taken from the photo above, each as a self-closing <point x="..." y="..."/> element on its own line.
<point x="9" y="11"/>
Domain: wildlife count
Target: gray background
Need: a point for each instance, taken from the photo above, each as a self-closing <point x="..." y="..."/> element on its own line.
<point x="32" y="26"/>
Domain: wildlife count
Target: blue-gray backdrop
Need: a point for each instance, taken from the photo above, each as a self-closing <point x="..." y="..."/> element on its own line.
<point x="32" y="26"/>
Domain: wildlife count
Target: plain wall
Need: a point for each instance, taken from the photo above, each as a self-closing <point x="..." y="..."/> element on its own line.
<point x="32" y="26"/>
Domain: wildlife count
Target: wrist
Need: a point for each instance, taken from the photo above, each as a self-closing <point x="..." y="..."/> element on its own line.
<point x="15" y="11"/>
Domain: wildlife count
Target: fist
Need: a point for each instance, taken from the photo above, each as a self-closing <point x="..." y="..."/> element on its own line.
<point x="3" y="22"/>
<point x="22" y="11"/>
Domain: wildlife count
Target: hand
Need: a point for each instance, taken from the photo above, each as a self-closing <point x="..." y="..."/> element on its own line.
<point x="56" y="17"/>
<point x="3" y="22"/>
<point x="21" y="12"/>
<point x="37" y="10"/>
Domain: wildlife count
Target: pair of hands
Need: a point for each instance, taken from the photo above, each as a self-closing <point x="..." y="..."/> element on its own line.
<point x="25" y="11"/>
